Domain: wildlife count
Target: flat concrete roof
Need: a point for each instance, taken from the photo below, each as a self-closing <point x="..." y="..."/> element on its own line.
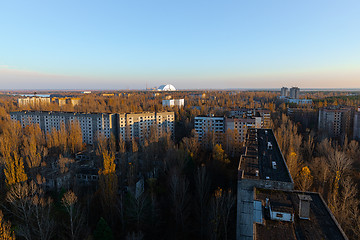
<point x="321" y="225"/>
<point x="263" y="158"/>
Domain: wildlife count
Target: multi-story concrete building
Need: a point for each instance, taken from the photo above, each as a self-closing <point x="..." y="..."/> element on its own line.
<point x="165" y="123"/>
<point x="61" y="101"/>
<point x="240" y="126"/>
<point x="206" y="124"/>
<point x="264" y="114"/>
<point x="357" y="124"/>
<point x="122" y="126"/>
<point x="94" y="125"/>
<point x="335" y="122"/>
<point x="33" y="101"/>
<point x="299" y="101"/>
<point x="173" y="102"/>
<point x="140" y="125"/>
<point x="284" y="92"/>
<point x="294" y="92"/>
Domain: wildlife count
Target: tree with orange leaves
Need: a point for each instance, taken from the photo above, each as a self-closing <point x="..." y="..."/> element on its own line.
<point x="14" y="169"/>
<point x="108" y="184"/>
<point x="5" y="229"/>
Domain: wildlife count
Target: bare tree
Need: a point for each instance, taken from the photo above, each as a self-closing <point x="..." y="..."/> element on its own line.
<point x="178" y="187"/>
<point x="202" y="188"/>
<point x="32" y="211"/>
<point x="44" y="223"/>
<point x="137" y="209"/>
<point x="338" y="161"/>
<point x="76" y="218"/>
<point x="221" y="205"/>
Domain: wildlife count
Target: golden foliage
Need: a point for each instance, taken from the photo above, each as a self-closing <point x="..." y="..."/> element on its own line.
<point x="5" y="229"/>
<point x="305" y="179"/>
<point x="219" y="154"/>
<point x="14" y="169"/>
<point x="108" y="163"/>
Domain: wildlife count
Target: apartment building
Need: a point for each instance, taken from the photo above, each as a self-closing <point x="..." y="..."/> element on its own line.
<point x="93" y="125"/>
<point x="238" y="121"/>
<point x="206" y="124"/>
<point x="138" y="125"/>
<point x="294" y="92"/>
<point x="61" y="101"/>
<point x="335" y="122"/>
<point x="264" y="114"/>
<point x="357" y="124"/>
<point x="240" y="126"/>
<point x="122" y="126"/>
<point x="33" y="101"/>
<point x="284" y="92"/>
<point x="165" y="123"/>
<point x="173" y="102"/>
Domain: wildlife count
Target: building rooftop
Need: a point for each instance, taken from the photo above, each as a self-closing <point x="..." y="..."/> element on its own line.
<point x="263" y="158"/>
<point x="321" y="224"/>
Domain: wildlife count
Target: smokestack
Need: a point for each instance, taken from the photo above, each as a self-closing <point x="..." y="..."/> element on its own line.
<point x="304" y="206"/>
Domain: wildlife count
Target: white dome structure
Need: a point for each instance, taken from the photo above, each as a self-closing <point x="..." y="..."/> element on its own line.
<point x="167" y="87"/>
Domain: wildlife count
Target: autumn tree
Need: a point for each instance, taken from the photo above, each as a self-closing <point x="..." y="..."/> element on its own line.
<point x="219" y="155"/>
<point x="14" y="169"/>
<point x="33" y="146"/>
<point x="290" y="144"/>
<point x="305" y="179"/>
<point x="5" y="229"/>
<point x="75" y="141"/>
<point x="108" y="184"/>
<point x="191" y="145"/>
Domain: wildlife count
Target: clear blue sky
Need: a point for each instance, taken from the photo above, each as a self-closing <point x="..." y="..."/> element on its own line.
<point x="191" y="44"/>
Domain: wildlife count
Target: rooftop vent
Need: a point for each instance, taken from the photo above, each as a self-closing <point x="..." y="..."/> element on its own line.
<point x="304" y="206"/>
<point x="273" y="164"/>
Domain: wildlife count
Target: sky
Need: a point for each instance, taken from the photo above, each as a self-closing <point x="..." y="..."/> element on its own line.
<point x="192" y="44"/>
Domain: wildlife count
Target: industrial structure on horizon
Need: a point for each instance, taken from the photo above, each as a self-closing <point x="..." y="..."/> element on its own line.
<point x="166" y="87"/>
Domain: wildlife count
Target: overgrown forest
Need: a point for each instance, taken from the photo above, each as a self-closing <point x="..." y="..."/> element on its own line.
<point x="189" y="187"/>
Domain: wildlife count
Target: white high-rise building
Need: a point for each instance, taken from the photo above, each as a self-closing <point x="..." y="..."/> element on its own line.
<point x="173" y="102"/>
